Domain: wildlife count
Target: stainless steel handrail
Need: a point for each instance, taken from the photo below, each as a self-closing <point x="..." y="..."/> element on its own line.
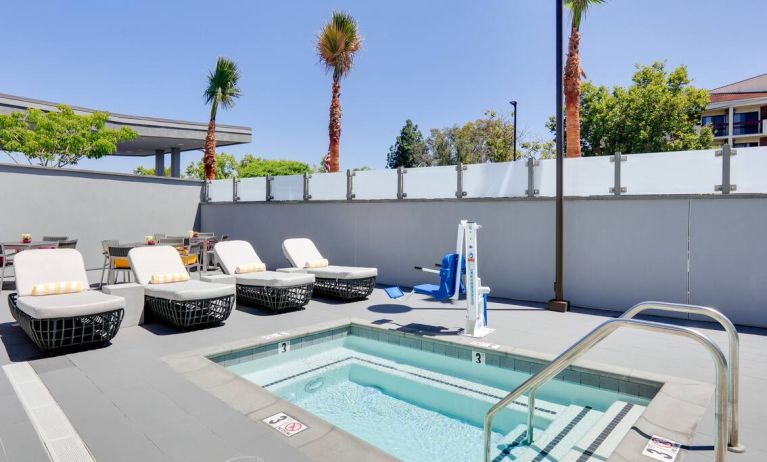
<point x="591" y="339"/>
<point x="733" y="359"/>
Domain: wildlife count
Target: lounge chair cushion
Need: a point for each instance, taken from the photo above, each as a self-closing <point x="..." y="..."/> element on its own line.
<point x="321" y="263"/>
<point x="274" y="279"/>
<point x="343" y="272"/>
<point x="169" y="278"/>
<point x="250" y="268"/>
<point x="58" y="288"/>
<point x="231" y="254"/>
<point x="300" y="251"/>
<point x="189" y="290"/>
<point x="154" y="259"/>
<point x="68" y="305"/>
<point x="40" y="266"/>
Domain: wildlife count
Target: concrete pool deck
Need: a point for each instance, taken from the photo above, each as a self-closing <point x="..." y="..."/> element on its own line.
<point x="127" y="404"/>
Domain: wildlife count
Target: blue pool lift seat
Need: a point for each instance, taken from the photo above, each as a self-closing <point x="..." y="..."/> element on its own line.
<point x="446" y="287"/>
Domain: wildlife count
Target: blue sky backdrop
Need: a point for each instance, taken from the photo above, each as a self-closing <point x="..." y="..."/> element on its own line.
<point x="438" y="63"/>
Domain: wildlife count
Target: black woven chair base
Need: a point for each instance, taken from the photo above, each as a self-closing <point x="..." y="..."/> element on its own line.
<point x="275" y="298"/>
<point x="56" y="334"/>
<point x="347" y="289"/>
<point x="190" y="313"/>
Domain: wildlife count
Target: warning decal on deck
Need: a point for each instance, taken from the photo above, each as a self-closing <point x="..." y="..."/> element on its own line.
<point x="285" y="424"/>
<point x="660" y="448"/>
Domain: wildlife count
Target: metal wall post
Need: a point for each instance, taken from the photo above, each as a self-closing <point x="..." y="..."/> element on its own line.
<point x="269" y="196"/>
<point x="459" y="192"/>
<point x="349" y="185"/>
<point x="401" y="194"/>
<point x="618" y="158"/>
<point x="726" y="154"/>
<point x="206" y="191"/>
<point x="307" y="178"/>
<point x="531" y="164"/>
<point x="235" y="189"/>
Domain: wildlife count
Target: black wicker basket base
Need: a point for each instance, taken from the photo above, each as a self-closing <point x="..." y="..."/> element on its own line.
<point x="190" y="313"/>
<point x="347" y="289"/>
<point x="77" y="332"/>
<point x="275" y="298"/>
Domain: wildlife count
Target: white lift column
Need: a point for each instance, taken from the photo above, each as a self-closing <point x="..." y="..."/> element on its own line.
<point x="476" y="315"/>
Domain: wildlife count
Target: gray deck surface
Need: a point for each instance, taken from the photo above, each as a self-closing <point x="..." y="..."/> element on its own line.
<point x="128" y="405"/>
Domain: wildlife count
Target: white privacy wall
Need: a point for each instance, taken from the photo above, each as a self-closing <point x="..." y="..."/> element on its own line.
<point x="92" y="207"/>
<point x="618" y="251"/>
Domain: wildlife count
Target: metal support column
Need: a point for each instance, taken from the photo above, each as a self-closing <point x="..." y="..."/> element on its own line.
<point x="269" y="196"/>
<point x="531" y="191"/>
<point x="726" y="154"/>
<point x="401" y="194"/>
<point x="235" y="189"/>
<point x="175" y="162"/>
<point x="159" y="162"/>
<point x="349" y="185"/>
<point x="459" y="169"/>
<point x="617" y="189"/>
<point x="307" y="179"/>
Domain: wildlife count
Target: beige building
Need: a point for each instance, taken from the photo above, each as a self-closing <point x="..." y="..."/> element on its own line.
<point x="738" y="113"/>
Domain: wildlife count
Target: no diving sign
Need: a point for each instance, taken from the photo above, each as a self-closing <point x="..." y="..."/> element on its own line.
<point x="660" y="448"/>
<point x="285" y="424"/>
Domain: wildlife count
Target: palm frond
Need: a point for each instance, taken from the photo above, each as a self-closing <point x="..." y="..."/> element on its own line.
<point x="222" y="83"/>
<point x="578" y="9"/>
<point x="338" y="42"/>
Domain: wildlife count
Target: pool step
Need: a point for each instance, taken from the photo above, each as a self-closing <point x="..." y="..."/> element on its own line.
<point x="555" y="442"/>
<point x="603" y="438"/>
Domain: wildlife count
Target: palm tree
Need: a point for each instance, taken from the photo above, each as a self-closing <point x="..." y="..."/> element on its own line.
<point x="337" y="44"/>
<point x="222" y="89"/>
<point x="573" y="73"/>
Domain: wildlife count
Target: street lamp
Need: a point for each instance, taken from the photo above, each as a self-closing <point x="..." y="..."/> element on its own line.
<point x="514" y="103"/>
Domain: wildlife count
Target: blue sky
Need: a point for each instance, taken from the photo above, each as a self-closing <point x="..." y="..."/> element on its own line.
<point x="438" y="63"/>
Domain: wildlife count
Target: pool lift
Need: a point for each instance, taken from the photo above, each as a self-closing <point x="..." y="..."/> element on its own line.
<point x="455" y="267"/>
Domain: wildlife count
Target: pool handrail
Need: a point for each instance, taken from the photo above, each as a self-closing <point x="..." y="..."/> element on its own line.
<point x="588" y="341"/>
<point x="733" y="360"/>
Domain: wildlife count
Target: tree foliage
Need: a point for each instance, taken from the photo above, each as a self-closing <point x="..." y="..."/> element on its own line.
<point x="410" y="149"/>
<point x="228" y="167"/>
<point x="660" y="111"/>
<point x="59" y="138"/>
<point x="489" y="139"/>
<point x="149" y="171"/>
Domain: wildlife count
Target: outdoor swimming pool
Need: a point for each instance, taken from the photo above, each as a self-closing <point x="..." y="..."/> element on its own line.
<point x="420" y="399"/>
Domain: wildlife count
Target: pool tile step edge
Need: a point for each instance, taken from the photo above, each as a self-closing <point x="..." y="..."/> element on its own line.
<point x="600" y="442"/>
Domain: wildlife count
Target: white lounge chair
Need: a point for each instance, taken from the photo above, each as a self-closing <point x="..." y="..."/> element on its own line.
<point x="346" y="282"/>
<point x="54" y="304"/>
<point x="271" y="289"/>
<point x="184" y="303"/>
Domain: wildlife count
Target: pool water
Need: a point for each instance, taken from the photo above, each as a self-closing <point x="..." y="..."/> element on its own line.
<point x="415" y="405"/>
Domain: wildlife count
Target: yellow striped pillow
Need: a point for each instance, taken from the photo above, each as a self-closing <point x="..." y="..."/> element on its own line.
<point x="56" y="288"/>
<point x="169" y="277"/>
<point x="250" y="268"/>
<point x="321" y="263"/>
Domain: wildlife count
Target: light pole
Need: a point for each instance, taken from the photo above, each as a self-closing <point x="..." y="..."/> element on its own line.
<point x="559" y="303"/>
<point x="514" y="103"/>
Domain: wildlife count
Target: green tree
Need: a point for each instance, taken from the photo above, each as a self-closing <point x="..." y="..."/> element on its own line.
<point x="337" y="45"/>
<point x="222" y="90"/>
<point x="410" y="149"/>
<point x="489" y="139"/>
<point x="148" y="171"/>
<point x="59" y="138"/>
<point x="226" y="167"/>
<point x="660" y="111"/>
<point x="255" y="166"/>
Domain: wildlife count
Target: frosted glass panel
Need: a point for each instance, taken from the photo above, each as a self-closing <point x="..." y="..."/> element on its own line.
<point x="430" y="182"/>
<point x="748" y="170"/>
<point x="288" y="188"/>
<point x="502" y="179"/>
<point x="328" y="186"/>
<point x="588" y="176"/>
<point x="688" y="172"/>
<point x="252" y="189"/>
<point x="546" y="178"/>
<point x="375" y="184"/>
<point x="221" y="191"/>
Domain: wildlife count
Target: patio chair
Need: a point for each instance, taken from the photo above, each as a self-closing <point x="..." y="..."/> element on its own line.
<point x="346" y="282"/>
<point x="116" y="262"/>
<point x="54" y="305"/>
<point x="189" y="252"/>
<point x="54" y="238"/>
<point x="255" y="285"/>
<point x="172" y="296"/>
<point x="68" y="244"/>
